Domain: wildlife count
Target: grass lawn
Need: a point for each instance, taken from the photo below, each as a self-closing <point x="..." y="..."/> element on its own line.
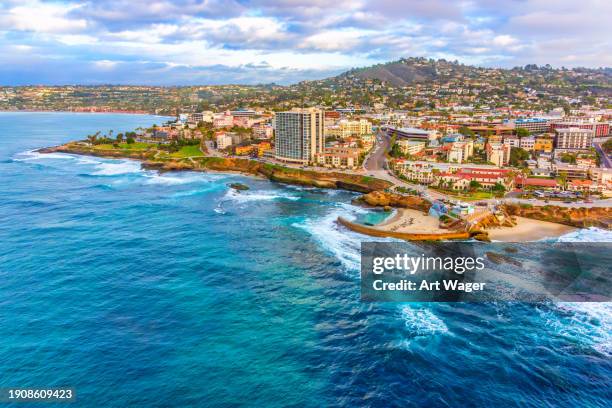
<point x="187" y="151"/>
<point x="468" y="196"/>
<point x="124" y="146"/>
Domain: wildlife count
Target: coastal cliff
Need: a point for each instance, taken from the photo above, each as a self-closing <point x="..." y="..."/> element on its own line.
<point x="581" y="217"/>
<point x="274" y="172"/>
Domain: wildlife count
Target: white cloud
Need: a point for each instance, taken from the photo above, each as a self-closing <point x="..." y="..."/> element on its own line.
<point x="42" y="18"/>
<point x="504" y="40"/>
<point x="295" y="35"/>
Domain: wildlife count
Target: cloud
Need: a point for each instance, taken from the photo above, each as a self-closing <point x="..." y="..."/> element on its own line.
<point x="220" y="41"/>
<point x="40" y="17"/>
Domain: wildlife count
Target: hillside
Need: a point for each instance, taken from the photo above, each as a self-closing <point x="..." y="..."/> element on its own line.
<point x="397" y="73"/>
<point x="409" y="71"/>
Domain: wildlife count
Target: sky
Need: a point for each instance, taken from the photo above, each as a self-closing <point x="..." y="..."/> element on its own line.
<point x="188" y="42"/>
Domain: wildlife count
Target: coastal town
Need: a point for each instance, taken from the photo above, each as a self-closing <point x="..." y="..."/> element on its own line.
<point x="469" y="142"/>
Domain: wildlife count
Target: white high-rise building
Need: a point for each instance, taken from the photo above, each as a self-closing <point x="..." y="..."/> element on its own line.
<point x="299" y="135"/>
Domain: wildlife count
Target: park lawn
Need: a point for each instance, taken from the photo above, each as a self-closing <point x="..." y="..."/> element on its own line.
<point x="124" y="146"/>
<point x="468" y="196"/>
<point x="188" y="151"/>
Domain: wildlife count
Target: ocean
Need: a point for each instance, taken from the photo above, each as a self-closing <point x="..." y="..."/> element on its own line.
<point x="144" y="289"/>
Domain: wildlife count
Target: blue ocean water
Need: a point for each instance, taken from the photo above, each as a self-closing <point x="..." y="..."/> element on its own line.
<point x="146" y="289"/>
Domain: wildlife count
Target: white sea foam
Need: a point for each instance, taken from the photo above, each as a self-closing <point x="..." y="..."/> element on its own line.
<point x="587" y="323"/>
<point x="587" y="235"/>
<point x="247" y="196"/>
<point x="115" y="168"/>
<point x="155" y="178"/>
<point x="422" y="322"/>
<point x="32" y="155"/>
<point x="336" y="239"/>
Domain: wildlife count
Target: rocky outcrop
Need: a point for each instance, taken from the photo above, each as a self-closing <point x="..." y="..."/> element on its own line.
<point x="580" y="217"/>
<point x="384" y="199"/>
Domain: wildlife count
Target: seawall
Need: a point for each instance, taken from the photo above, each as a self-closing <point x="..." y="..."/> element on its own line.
<point x="362" y="229"/>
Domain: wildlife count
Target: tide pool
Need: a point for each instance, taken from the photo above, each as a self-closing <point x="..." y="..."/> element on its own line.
<point x="146" y="289"/>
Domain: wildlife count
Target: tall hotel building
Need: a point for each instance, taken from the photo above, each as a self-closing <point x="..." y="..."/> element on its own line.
<point x="299" y="135"/>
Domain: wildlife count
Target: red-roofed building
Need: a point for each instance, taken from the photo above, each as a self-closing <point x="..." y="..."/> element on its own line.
<point x="543" y="183"/>
<point x="487" y="178"/>
<point x="584" y="185"/>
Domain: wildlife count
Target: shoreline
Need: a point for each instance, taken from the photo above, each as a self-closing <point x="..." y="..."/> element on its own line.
<point x="65" y="111"/>
<point x="528" y="229"/>
<point x="273" y="172"/>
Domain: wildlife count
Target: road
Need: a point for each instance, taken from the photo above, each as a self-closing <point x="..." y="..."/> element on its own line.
<point x="605" y="158"/>
<point x="376" y="159"/>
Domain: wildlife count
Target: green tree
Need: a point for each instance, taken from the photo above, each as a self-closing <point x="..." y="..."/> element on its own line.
<point x="465" y="131"/>
<point x="562" y="177"/>
<point x="474" y="185"/>
<point x="522" y="132"/>
<point x="568" y="158"/>
<point x="518" y="156"/>
<point x="130" y="140"/>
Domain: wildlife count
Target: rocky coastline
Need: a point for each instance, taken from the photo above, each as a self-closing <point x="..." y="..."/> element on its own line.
<point x="273" y="172"/>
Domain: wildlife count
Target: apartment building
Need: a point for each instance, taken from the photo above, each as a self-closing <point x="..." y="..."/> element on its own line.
<point x="498" y="154"/>
<point x="527" y="143"/>
<point x="411" y="147"/>
<point x="349" y="128"/>
<point x="339" y="157"/>
<point x="573" y="138"/>
<point x="461" y="151"/>
<point x="223" y="141"/>
<point x="300" y="135"/>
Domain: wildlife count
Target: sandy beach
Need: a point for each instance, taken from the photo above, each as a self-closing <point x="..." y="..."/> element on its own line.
<point x="411" y="221"/>
<point x="529" y="230"/>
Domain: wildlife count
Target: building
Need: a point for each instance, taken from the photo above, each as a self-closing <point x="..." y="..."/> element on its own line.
<point x="411" y="147"/>
<point x="498" y="154"/>
<point x="411" y="133"/>
<point x="585" y="186"/>
<point x="573" y="138"/>
<point x="534" y="182"/>
<point x="512" y="141"/>
<point x="527" y="143"/>
<point x="223" y="120"/>
<point x="533" y="125"/>
<point x="262" y="131"/>
<point x="543" y="144"/>
<point x="461" y="151"/>
<point x="348" y="128"/>
<point x="206" y="116"/>
<point x="340" y="157"/>
<point x="243" y="113"/>
<point x="223" y="141"/>
<point x="599" y="129"/>
<point x="300" y="135"/>
<point x="570" y="171"/>
<point x="244" y="150"/>
<point x="487" y="178"/>
<point x="368" y="141"/>
<point x="263" y="147"/>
